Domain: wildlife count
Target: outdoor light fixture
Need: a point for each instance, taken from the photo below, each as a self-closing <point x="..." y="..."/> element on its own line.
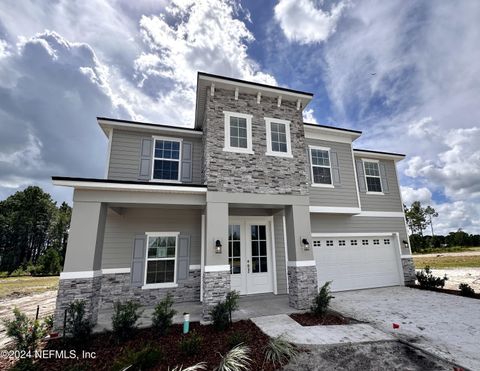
<point x="218" y="247"/>
<point x="405" y="243"/>
<point x="306" y="244"/>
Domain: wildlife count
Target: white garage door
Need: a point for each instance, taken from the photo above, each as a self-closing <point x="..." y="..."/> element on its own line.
<point x="357" y="262"/>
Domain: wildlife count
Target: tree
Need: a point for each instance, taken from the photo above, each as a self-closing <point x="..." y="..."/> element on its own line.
<point x="60" y="228"/>
<point x="430" y="213"/>
<point x="416" y="218"/>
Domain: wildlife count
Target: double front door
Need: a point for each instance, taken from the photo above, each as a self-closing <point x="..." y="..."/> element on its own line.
<point x="250" y="255"/>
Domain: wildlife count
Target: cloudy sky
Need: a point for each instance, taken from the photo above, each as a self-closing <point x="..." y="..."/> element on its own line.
<point x="406" y="73"/>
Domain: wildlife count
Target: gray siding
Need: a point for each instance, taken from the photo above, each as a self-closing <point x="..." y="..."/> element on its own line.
<point x="125" y="155"/>
<point x="390" y="201"/>
<point x="322" y="223"/>
<point x="120" y="231"/>
<point x="280" y="254"/>
<point x="343" y="195"/>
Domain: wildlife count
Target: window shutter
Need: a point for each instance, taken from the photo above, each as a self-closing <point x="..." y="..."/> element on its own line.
<point x="187" y="162"/>
<point x="146" y="159"/>
<point x="183" y="257"/>
<point x="138" y="260"/>
<point x="383" y="175"/>
<point x="361" y="176"/>
<point x="335" y="168"/>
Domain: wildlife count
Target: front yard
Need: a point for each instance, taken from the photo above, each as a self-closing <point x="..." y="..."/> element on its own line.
<point x="447" y="261"/>
<point x="26" y="285"/>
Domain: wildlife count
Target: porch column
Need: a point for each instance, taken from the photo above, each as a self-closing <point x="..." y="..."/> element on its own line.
<point x="81" y="276"/>
<point x="216" y="277"/>
<point x="302" y="272"/>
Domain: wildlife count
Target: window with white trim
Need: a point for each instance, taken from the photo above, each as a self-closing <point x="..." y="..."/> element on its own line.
<point x="372" y="176"/>
<point x="353" y="242"/>
<point x="278" y="137"/>
<point x="161" y="259"/>
<point x="320" y="166"/>
<point x="238" y="132"/>
<point x="166" y="159"/>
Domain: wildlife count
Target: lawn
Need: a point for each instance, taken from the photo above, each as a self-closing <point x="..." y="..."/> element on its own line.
<point x="441" y="250"/>
<point x="26" y="285"/>
<point x="441" y="262"/>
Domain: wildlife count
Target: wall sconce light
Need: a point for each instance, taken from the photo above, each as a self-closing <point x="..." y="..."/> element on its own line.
<point x="306" y="244"/>
<point x="405" y="243"/>
<point x="218" y="247"/>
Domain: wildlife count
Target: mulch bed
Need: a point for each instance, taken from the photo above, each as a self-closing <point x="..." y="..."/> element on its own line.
<point x="310" y="319"/>
<point x="108" y="348"/>
<point x="445" y="291"/>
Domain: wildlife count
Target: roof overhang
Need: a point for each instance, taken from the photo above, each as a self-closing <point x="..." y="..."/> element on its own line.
<point x="107" y="124"/>
<point x="205" y="82"/>
<point x="331" y="134"/>
<point x="378" y="155"/>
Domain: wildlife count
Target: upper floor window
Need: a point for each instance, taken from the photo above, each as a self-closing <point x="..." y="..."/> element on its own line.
<point x="166" y="159"/>
<point x="238" y="132"/>
<point x="278" y="137"/>
<point x="372" y="176"/>
<point x="320" y="166"/>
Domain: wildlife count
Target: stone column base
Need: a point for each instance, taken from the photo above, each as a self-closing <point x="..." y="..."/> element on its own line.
<point x="216" y="285"/>
<point x="408" y="271"/>
<point x="87" y="289"/>
<point x="302" y="286"/>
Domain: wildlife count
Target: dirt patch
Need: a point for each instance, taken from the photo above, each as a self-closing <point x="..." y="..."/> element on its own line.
<point x="369" y="356"/>
<point x="213" y="343"/>
<point x="310" y="319"/>
<point x="445" y="291"/>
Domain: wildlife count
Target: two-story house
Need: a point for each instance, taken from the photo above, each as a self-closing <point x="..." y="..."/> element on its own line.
<point x="251" y="198"/>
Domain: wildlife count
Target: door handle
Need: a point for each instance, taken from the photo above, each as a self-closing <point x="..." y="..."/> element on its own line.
<point x="248" y="266"/>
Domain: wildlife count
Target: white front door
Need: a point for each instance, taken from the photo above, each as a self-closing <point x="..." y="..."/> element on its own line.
<point x="250" y="255"/>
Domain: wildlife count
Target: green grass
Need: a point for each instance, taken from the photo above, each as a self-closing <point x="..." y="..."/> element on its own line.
<point x="26" y="285"/>
<point x="447" y="262"/>
<point x="441" y="250"/>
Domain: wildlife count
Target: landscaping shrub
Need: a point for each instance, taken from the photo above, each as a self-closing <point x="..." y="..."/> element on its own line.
<point x="25" y="332"/>
<point x="163" y="314"/>
<point x="138" y="360"/>
<point x="23" y="270"/>
<point x="321" y="301"/>
<point x="231" y="302"/>
<point x="236" y="359"/>
<point x="279" y="351"/>
<point x="124" y="317"/>
<point x="78" y="327"/>
<point x="199" y="366"/>
<point x="48" y="263"/>
<point x="48" y="321"/>
<point x="190" y="344"/>
<point x="220" y="316"/>
<point x="427" y="280"/>
<point x="466" y="290"/>
<point x="237" y="338"/>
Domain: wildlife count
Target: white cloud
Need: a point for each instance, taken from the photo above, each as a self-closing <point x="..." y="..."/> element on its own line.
<point x="410" y="194"/>
<point x="304" y="21"/>
<point x="422" y="128"/>
<point x="308" y="116"/>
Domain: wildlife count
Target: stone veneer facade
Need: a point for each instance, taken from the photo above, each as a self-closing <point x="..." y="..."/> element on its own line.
<point x="408" y="271"/>
<point x="302" y="286"/>
<point x="258" y="173"/>
<point x="216" y="285"/>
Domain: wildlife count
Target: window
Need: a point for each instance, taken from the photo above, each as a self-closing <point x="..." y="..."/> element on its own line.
<point x="353" y="242"/>
<point x="372" y="176"/>
<point x="376" y="242"/>
<point x="386" y="241"/>
<point x="259" y="248"/>
<point x="278" y="137"/>
<point x="317" y="243"/>
<point x="238" y="132"/>
<point x="320" y="164"/>
<point x="234" y="258"/>
<point x="166" y="159"/>
<point x="329" y="242"/>
<point x="161" y="258"/>
<point x="341" y="242"/>
<point x="364" y="242"/>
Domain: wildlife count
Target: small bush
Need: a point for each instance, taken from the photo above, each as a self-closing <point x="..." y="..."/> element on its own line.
<point x="237" y="338"/>
<point x="466" y="290"/>
<point x="78" y="327"/>
<point x="124" y="317"/>
<point x="321" y="302"/>
<point x="231" y="302"/>
<point x="163" y="315"/>
<point x="279" y="351"/>
<point x="236" y="359"/>
<point x="23" y="270"/>
<point x="144" y="359"/>
<point x="197" y="367"/>
<point x="427" y="280"/>
<point x="190" y="344"/>
<point x="48" y="321"/>
<point x="220" y="316"/>
<point x="25" y="332"/>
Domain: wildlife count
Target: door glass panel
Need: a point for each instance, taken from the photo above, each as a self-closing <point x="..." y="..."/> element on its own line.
<point x="234" y="256"/>
<point x="259" y="248"/>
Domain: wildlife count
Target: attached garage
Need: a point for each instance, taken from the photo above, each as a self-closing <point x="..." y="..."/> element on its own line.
<point x="357" y="261"/>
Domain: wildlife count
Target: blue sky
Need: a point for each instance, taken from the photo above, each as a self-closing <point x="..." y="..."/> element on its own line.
<point x="406" y="73"/>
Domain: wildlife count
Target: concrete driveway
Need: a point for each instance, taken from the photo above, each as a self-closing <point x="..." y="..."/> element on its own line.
<point x="445" y="325"/>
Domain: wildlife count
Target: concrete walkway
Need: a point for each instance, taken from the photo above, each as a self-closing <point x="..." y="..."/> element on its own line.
<point x="283" y="325"/>
<point x="445" y="325"/>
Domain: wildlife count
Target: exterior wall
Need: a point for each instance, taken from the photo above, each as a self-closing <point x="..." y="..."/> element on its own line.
<point x="344" y="194"/>
<point x="325" y="223"/>
<point x="390" y="201"/>
<point x="120" y="231"/>
<point x="408" y="271"/>
<point x="216" y="285"/>
<point x="302" y="283"/>
<point x="126" y="150"/>
<point x="256" y="173"/>
<point x="278" y="230"/>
